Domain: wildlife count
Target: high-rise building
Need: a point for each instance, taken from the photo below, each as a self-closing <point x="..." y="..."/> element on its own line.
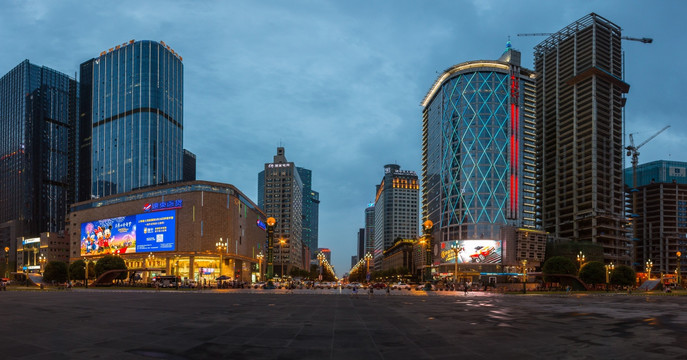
<point x="661" y="220"/>
<point x="189" y="166"/>
<point x="479" y="152"/>
<point x="579" y="134"/>
<point x="369" y="229"/>
<point x="396" y="210"/>
<point x="361" y="243"/>
<point x="38" y="110"/>
<point x="131" y="122"/>
<point x="280" y="195"/>
<point x="310" y="210"/>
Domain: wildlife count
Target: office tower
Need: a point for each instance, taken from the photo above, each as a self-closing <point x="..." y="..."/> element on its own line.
<point x="38" y="110"/>
<point x="361" y="243"/>
<point x="579" y="134"/>
<point x="479" y="152"/>
<point x="354" y="260"/>
<point x="310" y="210"/>
<point x="661" y="223"/>
<point x="189" y="166"/>
<point x="396" y="209"/>
<point x="131" y="107"/>
<point x="369" y="229"/>
<point x="280" y="195"/>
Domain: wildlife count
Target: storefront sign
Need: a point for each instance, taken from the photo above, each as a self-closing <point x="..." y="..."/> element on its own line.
<point x="31" y="241"/>
<point x="163" y="205"/>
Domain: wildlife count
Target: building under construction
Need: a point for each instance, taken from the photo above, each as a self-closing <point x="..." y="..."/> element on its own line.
<point x="580" y="137"/>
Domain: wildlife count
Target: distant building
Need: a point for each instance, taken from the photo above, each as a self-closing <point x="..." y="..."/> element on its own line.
<point x="311" y="201"/>
<point x="396" y="210"/>
<point x="580" y="102"/>
<point x="354" y="260"/>
<point x="189" y="166"/>
<point x="400" y="256"/>
<point x="131" y="122"/>
<point x="361" y="243"/>
<point x="369" y="229"/>
<point x="661" y="215"/>
<point x="327" y="254"/>
<point x="38" y="114"/>
<point x="280" y="195"/>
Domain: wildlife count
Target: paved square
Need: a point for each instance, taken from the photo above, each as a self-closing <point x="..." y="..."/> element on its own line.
<point x="264" y="324"/>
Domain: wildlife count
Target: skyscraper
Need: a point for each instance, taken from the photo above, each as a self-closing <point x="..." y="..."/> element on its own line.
<point x="189" y="166"/>
<point x="280" y="195"/>
<point x="396" y="210"/>
<point x="369" y="229"/>
<point x="479" y="151"/>
<point x="310" y="211"/>
<point x="131" y="132"/>
<point x="579" y="114"/>
<point x="38" y="110"/>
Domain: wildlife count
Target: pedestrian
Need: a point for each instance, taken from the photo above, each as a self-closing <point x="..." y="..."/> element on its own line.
<point x="567" y="289"/>
<point x="369" y="295"/>
<point x="466" y="288"/>
<point x="387" y="291"/>
<point x="355" y="291"/>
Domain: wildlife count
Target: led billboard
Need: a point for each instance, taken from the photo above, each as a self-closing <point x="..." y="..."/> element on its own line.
<point x="472" y="251"/>
<point x="150" y="232"/>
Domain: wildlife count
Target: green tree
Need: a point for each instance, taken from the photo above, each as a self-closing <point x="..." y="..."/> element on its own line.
<point x="110" y="262"/>
<point x="623" y="275"/>
<point x="77" y="270"/>
<point x="55" y="271"/>
<point x="593" y="272"/>
<point x="559" y="265"/>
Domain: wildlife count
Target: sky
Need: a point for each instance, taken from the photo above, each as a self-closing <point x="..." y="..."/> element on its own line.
<point x="339" y="83"/>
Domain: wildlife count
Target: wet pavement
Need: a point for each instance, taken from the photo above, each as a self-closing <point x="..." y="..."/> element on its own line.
<point x="326" y="324"/>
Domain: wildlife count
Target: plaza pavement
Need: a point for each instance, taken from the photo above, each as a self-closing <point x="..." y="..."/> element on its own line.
<point x="326" y="324"/>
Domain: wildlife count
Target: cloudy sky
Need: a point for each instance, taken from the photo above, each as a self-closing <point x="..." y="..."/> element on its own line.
<point x="339" y="83"/>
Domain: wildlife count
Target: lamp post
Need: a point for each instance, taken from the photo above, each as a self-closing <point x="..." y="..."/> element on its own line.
<point x="580" y="259"/>
<point x="368" y="257"/>
<point x="270" y="246"/>
<point x="320" y="258"/>
<point x="456" y="249"/>
<point x="427" y="237"/>
<point x="524" y="276"/>
<point x="260" y="257"/>
<point x="176" y="265"/>
<point x="85" y="260"/>
<point x="282" y="242"/>
<point x="648" y="265"/>
<point x="42" y="260"/>
<point x="221" y="247"/>
<point x="679" y="270"/>
<point x="609" y="269"/>
<point x="7" y="261"/>
<point x="151" y="260"/>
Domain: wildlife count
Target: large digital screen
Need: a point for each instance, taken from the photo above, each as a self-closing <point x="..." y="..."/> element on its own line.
<point x="149" y="232"/>
<point x="472" y="251"/>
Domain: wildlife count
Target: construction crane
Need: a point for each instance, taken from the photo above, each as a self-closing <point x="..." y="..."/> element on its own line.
<point x="642" y="40"/>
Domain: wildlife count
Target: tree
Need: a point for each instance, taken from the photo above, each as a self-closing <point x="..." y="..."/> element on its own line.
<point x="559" y="265"/>
<point x="593" y="272"/>
<point x="77" y="270"/>
<point x="55" y="271"/>
<point x="110" y="262"/>
<point x="623" y="275"/>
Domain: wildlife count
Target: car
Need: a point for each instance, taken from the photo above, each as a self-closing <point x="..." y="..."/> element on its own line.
<point x="379" y="285"/>
<point x="481" y="252"/>
<point x="400" y="286"/>
<point x="425" y="286"/>
<point x="352" y="285"/>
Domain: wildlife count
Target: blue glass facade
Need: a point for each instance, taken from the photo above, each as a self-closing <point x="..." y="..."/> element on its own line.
<point x="133" y="111"/>
<point x="661" y="171"/>
<point x="310" y="210"/>
<point x="38" y="109"/>
<point x="479" y="150"/>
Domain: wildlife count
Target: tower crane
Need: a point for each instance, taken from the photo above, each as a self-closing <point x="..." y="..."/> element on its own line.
<point x="642" y="40"/>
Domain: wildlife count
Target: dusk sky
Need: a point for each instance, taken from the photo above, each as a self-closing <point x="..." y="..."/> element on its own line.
<point x="339" y="83"/>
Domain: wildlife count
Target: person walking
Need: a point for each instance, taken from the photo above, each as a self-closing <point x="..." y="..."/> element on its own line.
<point x="355" y="291"/>
<point x="372" y="290"/>
<point x="387" y="291"/>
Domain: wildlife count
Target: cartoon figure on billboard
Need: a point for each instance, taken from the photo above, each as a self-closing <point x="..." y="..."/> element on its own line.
<point x="107" y="236"/>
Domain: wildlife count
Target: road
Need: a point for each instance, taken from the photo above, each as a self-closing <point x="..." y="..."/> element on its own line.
<point x="323" y="324"/>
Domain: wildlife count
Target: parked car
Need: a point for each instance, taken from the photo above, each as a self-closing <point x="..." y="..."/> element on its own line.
<point x="379" y="285"/>
<point x="400" y="286"/>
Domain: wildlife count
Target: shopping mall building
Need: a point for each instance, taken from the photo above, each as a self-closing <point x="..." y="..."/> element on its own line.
<point x="197" y="230"/>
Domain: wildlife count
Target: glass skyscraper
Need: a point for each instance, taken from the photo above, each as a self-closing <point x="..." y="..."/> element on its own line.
<point x="131" y="109"/>
<point x="479" y="150"/>
<point x="38" y="110"/>
<point x="311" y="201"/>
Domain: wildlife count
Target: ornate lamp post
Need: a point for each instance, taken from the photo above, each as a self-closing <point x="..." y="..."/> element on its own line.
<point x="282" y="242"/>
<point x="7" y="261"/>
<point x="270" y="247"/>
<point x="176" y="265"/>
<point x="260" y="256"/>
<point x="221" y="247"/>
<point x="86" y="273"/>
<point x="679" y="270"/>
<point x="456" y="249"/>
<point x="320" y="258"/>
<point x="609" y="269"/>
<point x="42" y="260"/>
<point x="580" y="259"/>
<point x="649" y="264"/>
<point x="151" y="260"/>
<point x="524" y="276"/>
<point x="427" y="237"/>
<point x="368" y="257"/>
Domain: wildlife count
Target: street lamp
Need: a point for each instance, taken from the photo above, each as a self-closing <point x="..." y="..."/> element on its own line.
<point x="260" y="257"/>
<point x="221" y="247"/>
<point x="176" y="264"/>
<point x="42" y="260"/>
<point x="524" y="276"/>
<point x="151" y="260"/>
<point x="679" y="270"/>
<point x="649" y="264"/>
<point x="85" y="260"/>
<point x="580" y="259"/>
<point x="7" y="261"/>
<point x="368" y="257"/>
<point x="609" y="269"/>
<point x="456" y="249"/>
<point x="270" y="246"/>
<point x="282" y="242"/>
<point x="427" y="240"/>
<point x="320" y="258"/>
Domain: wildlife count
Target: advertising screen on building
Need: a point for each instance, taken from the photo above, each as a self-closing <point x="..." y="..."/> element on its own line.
<point x="149" y="232"/>
<point x="472" y="251"/>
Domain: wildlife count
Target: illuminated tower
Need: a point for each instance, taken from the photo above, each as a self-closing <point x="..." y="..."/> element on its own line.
<point x="479" y="154"/>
